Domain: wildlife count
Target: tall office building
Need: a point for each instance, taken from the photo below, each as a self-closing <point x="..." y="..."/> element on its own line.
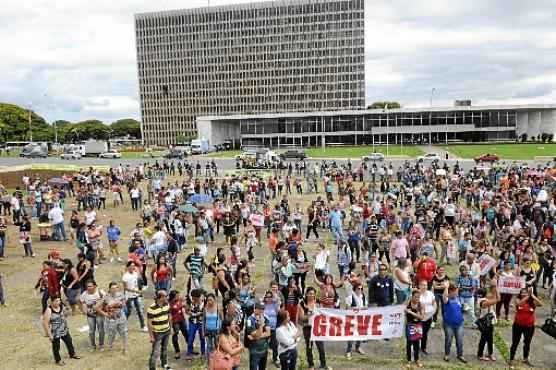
<point x="267" y="57"/>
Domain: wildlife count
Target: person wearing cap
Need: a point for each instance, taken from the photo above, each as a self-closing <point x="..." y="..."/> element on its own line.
<point x="257" y="331"/>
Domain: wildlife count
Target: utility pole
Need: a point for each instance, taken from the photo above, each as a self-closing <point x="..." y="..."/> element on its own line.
<point x="387" y="130"/>
<point x="30" y="129"/>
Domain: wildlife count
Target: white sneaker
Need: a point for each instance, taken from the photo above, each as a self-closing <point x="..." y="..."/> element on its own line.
<point x="111" y="259"/>
<point x="119" y="259"/>
<point x="145" y="329"/>
<point x="433" y="324"/>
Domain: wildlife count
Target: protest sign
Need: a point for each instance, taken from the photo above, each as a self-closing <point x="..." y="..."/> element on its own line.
<point x="357" y="324"/>
<point x="511" y="284"/>
<point x="486" y="262"/>
<point x="257" y="220"/>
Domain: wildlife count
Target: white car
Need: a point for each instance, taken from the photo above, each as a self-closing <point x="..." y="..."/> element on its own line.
<point x="111" y="154"/>
<point x="373" y="157"/>
<point x="429" y="157"/>
<point x="71" y="155"/>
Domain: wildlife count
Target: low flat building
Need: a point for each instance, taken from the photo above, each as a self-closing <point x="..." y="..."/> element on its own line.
<point x="381" y="126"/>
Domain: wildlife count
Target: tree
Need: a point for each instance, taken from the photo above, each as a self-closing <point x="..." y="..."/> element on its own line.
<point x="14" y="123"/>
<point x="89" y="129"/>
<point x="383" y="104"/>
<point x="125" y="127"/>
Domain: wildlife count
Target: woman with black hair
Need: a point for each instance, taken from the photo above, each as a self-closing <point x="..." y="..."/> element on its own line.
<point x="70" y="283"/>
<point x="177" y="315"/>
<point x="487" y="317"/>
<point x="524" y="323"/>
<point x="229" y="341"/>
<point x="308" y="306"/>
<point x="56" y="328"/>
<point x="162" y="274"/>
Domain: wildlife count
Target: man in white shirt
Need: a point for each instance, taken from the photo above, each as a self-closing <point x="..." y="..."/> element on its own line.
<point x="135" y="194"/>
<point x="56" y="217"/>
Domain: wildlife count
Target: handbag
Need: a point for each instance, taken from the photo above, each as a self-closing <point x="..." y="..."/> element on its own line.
<point x="485" y="323"/>
<point x="414" y="332"/>
<point x="549" y="327"/>
<point x="219" y="360"/>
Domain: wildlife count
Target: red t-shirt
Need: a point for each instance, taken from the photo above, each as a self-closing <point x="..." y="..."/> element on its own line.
<point x="525" y="315"/>
<point x="176" y="311"/>
<point x="426" y="269"/>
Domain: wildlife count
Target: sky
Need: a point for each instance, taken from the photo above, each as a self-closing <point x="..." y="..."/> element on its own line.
<point x="75" y="59"/>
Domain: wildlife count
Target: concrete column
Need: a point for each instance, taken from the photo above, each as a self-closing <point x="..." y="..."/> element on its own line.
<point x="534" y="126"/>
<point x="323" y="141"/>
<point x="522" y="123"/>
<point x="548" y="122"/>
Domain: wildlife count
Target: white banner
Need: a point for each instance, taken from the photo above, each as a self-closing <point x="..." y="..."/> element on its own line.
<point x="486" y="262"/>
<point x="511" y="284"/>
<point x="330" y="324"/>
<point x="257" y="220"/>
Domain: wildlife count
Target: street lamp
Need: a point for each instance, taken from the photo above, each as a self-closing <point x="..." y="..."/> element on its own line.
<point x="430" y="117"/>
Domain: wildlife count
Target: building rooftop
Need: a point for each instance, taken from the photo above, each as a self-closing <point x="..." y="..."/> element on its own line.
<point x="522" y="107"/>
<point x="220" y="8"/>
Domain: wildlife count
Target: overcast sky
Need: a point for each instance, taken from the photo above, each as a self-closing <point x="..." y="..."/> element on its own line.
<point x="75" y="59"/>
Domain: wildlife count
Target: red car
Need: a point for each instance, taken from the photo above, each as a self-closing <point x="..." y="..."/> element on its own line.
<point x="487" y="158"/>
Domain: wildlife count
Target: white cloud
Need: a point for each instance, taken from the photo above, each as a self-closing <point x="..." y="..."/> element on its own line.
<point x="75" y="59"/>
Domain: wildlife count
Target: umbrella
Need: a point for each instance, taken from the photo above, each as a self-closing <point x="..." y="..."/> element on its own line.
<point x="187" y="208"/>
<point x="57" y="181"/>
<point x="200" y="198"/>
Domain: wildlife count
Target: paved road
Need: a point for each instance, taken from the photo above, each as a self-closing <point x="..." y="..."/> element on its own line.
<point x="223" y="163"/>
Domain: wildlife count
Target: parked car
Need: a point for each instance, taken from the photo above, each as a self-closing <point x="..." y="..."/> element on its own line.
<point x="429" y="157"/>
<point x="293" y="154"/>
<point x="71" y="155"/>
<point x="487" y="158"/>
<point x="110" y="154"/>
<point x="373" y="157"/>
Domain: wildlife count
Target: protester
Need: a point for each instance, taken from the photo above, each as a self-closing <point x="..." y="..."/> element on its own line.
<point x="453" y="322"/>
<point x="158" y="323"/>
<point x="89" y="300"/>
<point x="112" y="308"/>
<point x="257" y="330"/>
<point x="287" y="337"/>
<point x="177" y="313"/>
<point x="56" y="329"/>
<point x="487" y="319"/>
<point x="524" y="323"/>
<point x="414" y="329"/>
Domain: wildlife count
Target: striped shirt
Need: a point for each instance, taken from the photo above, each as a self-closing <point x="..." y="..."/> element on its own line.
<point x="159" y="317"/>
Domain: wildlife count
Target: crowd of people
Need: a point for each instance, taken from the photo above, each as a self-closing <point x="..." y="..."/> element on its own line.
<point x="413" y="236"/>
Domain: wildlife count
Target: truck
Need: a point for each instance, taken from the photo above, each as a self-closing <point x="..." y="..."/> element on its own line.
<point x="200" y="146"/>
<point x="93" y="148"/>
<point x="34" y="150"/>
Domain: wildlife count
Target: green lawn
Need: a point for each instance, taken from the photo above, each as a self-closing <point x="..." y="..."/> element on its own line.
<point x="356" y="152"/>
<point x="505" y="151"/>
<point x="226" y="154"/>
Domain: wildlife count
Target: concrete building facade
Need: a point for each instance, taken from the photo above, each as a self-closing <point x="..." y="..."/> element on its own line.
<point x="379" y="126"/>
<point x="268" y="57"/>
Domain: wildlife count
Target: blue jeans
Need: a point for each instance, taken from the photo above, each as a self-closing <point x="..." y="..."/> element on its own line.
<point x="257" y="361"/>
<point x="138" y="309"/>
<point x="2" y="244"/>
<point x="449" y="333"/>
<point x="470" y="301"/>
<point x="59" y="231"/>
<point x="163" y="285"/>
<point x="193" y="329"/>
<point x="159" y="348"/>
